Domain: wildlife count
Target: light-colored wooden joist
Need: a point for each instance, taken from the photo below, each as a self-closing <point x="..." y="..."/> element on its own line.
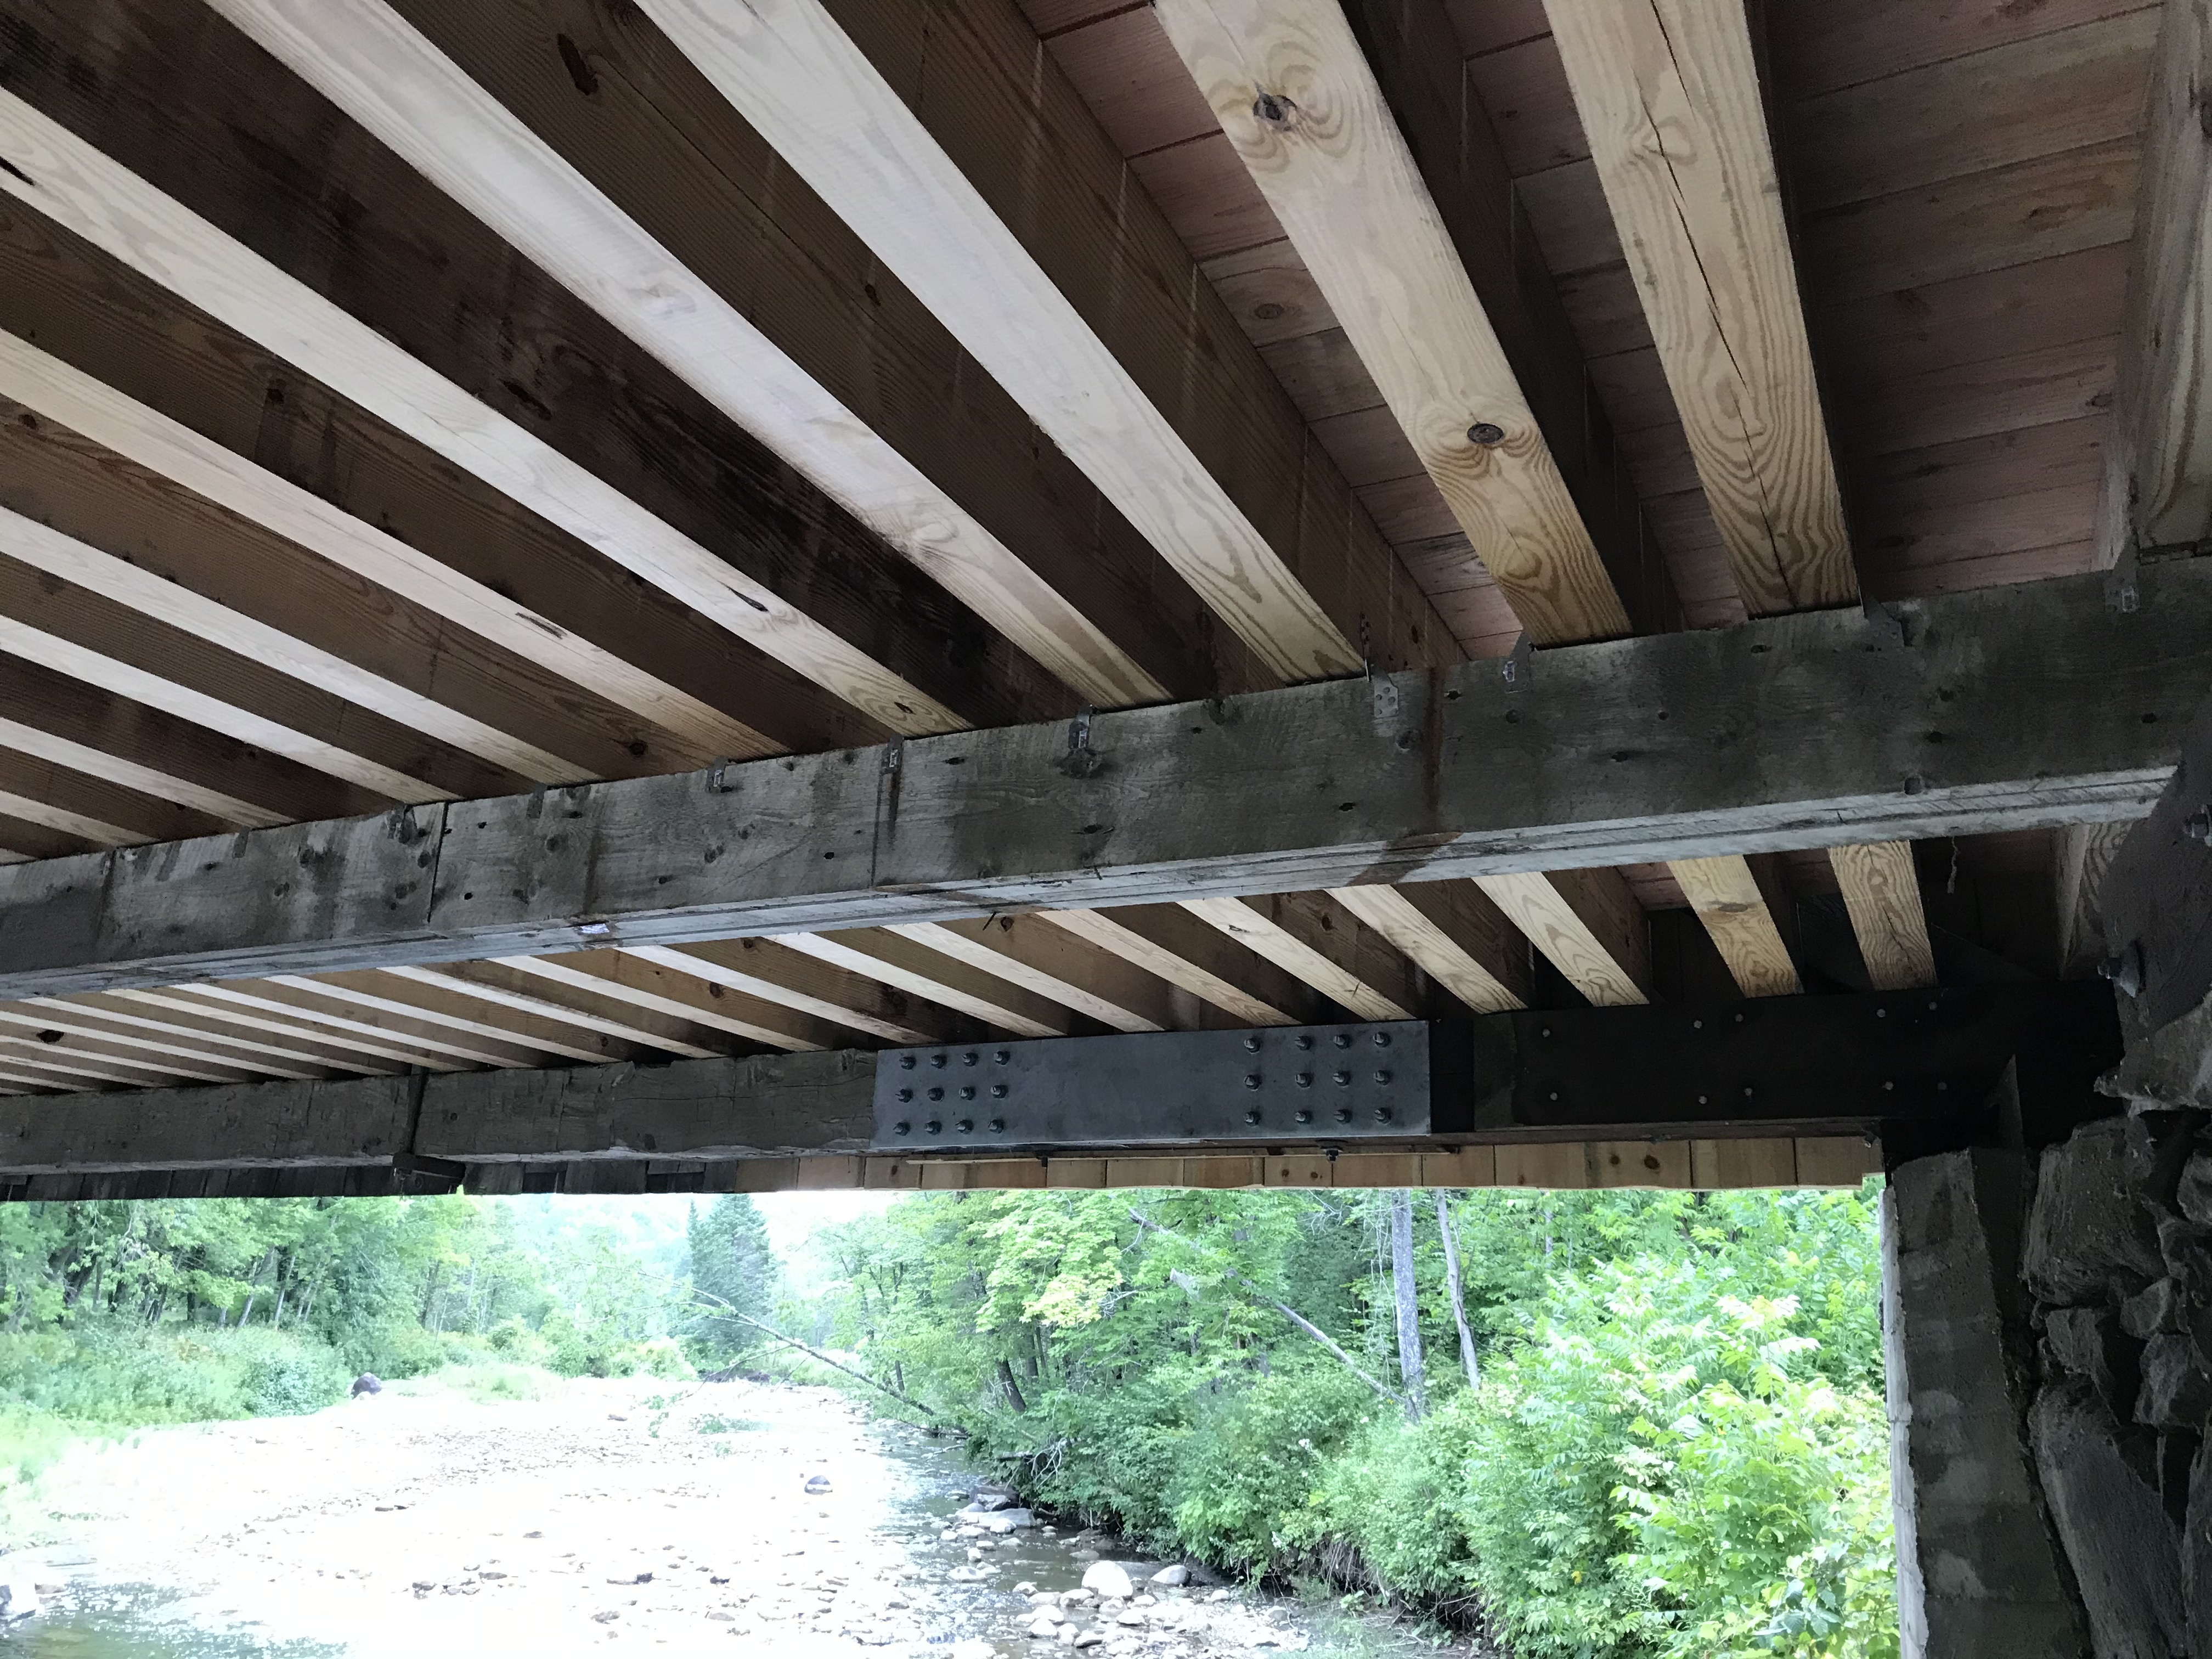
<point x="68" y="722"/>
<point x="84" y="1023"/>
<point x="234" y="695"/>
<point x="238" y="1005"/>
<point x="435" y="1018"/>
<point x="1055" y="963"/>
<point x="1881" y="891"/>
<point x="1588" y="923"/>
<point x="1669" y="99"/>
<point x="368" y="60"/>
<point x="1167" y="940"/>
<point x="2158" y="478"/>
<point x="801" y="78"/>
<point x="1727" y="899"/>
<point x="76" y="1044"/>
<point x="490" y="981"/>
<point x="48" y="550"/>
<point x="1313" y="937"/>
<point x="89" y="806"/>
<point x="57" y="173"/>
<point x="1457" y="935"/>
<point x="65" y="1061"/>
<point x="41" y="381"/>
<point x="774" y="973"/>
<point x="1301" y="104"/>
<point x="922" y="972"/>
<point x="621" y="977"/>
<point x="303" y="1055"/>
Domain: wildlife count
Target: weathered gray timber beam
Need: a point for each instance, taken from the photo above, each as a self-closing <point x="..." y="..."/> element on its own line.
<point x="767" y="1106"/>
<point x="2048" y="702"/>
<point x="1923" y="1064"/>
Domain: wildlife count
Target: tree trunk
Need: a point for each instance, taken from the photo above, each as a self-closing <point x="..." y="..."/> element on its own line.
<point x="1409" y="1311"/>
<point x="253" y="1286"/>
<point x="1458" y="1298"/>
<point x="1013" y="1389"/>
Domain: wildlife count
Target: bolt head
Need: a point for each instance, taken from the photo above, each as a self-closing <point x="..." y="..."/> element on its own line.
<point x="937" y="1094"/>
<point x="998" y="1126"/>
<point x="970" y="1058"/>
<point x="1001" y="1057"/>
<point x="1342" y="1039"/>
<point x="967" y="1091"/>
<point x="1343" y="1115"/>
<point x="1381" y="1113"/>
<point x="998" y="1092"/>
<point x="934" y="1126"/>
<point x="902" y="1127"/>
<point x="1305" y="1079"/>
<point x="966" y="1126"/>
<point x="1252" y="1117"/>
<point x="1342" y="1079"/>
<point x="1381" y="1077"/>
<point x="1382" y="1039"/>
<point x="1486" y="435"/>
<point x="906" y="1094"/>
<point x="1306" y="1042"/>
<point x="1251" y="1079"/>
<point x="1301" y="1115"/>
<point x="906" y="1062"/>
<point x="1253" y="1043"/>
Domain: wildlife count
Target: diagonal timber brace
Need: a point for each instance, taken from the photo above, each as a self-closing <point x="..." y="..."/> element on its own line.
<point x="2044" y="703"/>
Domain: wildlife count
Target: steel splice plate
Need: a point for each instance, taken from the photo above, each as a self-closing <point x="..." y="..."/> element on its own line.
<point x="1285" y="1084"/>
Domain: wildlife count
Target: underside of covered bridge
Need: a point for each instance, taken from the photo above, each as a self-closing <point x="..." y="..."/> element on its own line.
<point x="677" y="595"/>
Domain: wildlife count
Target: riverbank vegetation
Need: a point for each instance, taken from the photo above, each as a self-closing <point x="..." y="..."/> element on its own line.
<point x="1597" y="1425"/>
<point x="116" y="1315"/>
<point x="1600" y="1425"/>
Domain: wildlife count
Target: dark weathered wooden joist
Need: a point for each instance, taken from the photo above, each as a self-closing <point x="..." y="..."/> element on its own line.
<point x="1928" y="1062"/>
<point x="2046" y="703"/>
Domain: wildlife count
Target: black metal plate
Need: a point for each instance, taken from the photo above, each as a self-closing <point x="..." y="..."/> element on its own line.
<point x="1361" y="1082"/>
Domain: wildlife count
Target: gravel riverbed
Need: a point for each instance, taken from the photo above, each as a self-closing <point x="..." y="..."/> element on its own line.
<point x="721" y="1518"/>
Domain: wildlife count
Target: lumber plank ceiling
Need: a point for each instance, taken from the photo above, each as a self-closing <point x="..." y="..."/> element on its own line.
<point x="421" y="399"/>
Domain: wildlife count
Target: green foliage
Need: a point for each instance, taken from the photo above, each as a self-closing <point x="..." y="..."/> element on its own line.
<point x="733" y="1272"/>
<point x="1676" y="1447"/>
<point x="284" y="1374"/>
<point x="1250" y="1494"/>
<point x="114" y="1315"/>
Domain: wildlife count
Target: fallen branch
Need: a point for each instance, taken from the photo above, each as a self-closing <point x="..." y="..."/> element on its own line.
<point x="1282" y="1308"/>
<point x="728" y="1312"/>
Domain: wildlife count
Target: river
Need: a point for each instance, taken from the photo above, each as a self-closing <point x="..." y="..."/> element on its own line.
<point x="601" y="1518"/>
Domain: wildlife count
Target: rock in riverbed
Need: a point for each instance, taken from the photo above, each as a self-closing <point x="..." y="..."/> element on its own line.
<point x="1109" y="1579"/>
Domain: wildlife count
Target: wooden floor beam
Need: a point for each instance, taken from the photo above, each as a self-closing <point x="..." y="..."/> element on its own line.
<point x="1090" y="312"/>
<point x="366" y="59"/>
<point x="2054" y="706"/>
<point x="776" y="972"/>
<point x="1314" y="938"/>
<point x="109" y="204"/>
<point x="2158" y="479"/>
<point x="1668" y="94"/>
<point x="1300" y="102"/>
<point x="120" y="425"/>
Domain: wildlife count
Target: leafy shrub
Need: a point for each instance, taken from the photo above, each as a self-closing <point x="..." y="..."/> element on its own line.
<point x="659" y="1358"/>
<point x="393" y="1350"/>
<point x="283" y="1375"/>
<point x="1249" y="1490"/>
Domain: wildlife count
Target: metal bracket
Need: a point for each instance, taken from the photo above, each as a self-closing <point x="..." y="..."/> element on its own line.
<point x="1311" y="1083"/>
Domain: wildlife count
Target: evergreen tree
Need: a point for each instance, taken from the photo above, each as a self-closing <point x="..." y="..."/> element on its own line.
<point x="734" y="1271"/>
